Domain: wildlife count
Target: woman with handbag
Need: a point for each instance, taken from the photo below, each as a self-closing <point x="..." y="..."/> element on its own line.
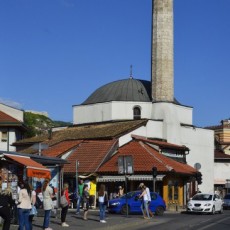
<point x="103" y="200"/>
<point x="64" y="209"/>
<point x="33" y="210"/>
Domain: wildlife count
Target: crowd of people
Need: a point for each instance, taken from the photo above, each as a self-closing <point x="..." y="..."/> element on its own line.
<point x="25" y="209"/>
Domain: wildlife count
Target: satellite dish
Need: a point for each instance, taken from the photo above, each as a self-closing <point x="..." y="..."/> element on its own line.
<point x="197" y="166"/>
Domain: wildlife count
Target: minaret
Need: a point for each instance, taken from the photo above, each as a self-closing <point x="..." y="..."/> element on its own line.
<point x="162" y="51"/>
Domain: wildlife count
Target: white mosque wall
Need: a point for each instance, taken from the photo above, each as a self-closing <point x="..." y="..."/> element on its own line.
<point x="173" y="116"/>
<point x="201" y="144"/>
<point x="172" y="112"/>
<point x="109" y="111"/>
<point x="153" y="129"/>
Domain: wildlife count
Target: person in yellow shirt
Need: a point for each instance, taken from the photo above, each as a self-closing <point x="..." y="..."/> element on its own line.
<point x="92" y="193"/>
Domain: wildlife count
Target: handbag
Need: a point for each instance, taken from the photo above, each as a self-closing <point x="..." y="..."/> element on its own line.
<point x="63" y="201"/>
<point x="33" y="211"/>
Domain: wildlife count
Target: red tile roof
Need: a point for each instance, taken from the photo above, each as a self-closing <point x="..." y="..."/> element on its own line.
<point x="61" y="148"/>
<point x="144" y="158"/>
<point x="90" y="155"/>
<point x="5" y="118"/>
<point x="162" y="144"/>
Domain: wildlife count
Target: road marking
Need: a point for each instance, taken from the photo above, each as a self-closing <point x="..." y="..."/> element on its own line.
<point x="219" y="221"/>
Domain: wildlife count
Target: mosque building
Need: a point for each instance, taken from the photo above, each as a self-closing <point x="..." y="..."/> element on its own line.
<point x="131" y="99"/>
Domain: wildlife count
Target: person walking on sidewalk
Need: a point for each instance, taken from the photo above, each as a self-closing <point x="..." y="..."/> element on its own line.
<point x="33" y="201"/>
<point x="47" y="193"/>
<point x="79" y="193"/>
<point x="144" y="203"/>
<point x="64" y="210"/>
<point x="85" y="201"/>
<point x="24" y="207"/>
<point x="103" y="201"/>
<point x="149" y="200"/>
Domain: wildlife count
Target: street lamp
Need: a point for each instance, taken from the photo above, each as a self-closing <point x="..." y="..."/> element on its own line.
<point x="77" y="165"/>
<point x="154" y="171"/>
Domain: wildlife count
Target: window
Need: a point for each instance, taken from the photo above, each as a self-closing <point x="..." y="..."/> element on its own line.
<point x="4" y="136"/>
<point x="136" y="113"/>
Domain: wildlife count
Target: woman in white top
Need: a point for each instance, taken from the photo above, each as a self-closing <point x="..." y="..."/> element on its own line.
<point x="47" y="193"/>
<point x="24" y="207"/>
<point x="102" y="199"/>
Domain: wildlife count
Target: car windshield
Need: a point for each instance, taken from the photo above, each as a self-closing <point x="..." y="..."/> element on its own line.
<point x="202" y="197"/>
<point x="129" y="195"/>
<point x="227" y="196"/>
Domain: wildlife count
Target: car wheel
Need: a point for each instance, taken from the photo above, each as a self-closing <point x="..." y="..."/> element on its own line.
<point x="124" y="210"/>
<point x="159" y="211"/>
<point x="221" y="210"/>
<point x="213" y="210"/>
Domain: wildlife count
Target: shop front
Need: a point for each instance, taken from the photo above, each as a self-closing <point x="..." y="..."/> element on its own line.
<point x="16" y="168"/>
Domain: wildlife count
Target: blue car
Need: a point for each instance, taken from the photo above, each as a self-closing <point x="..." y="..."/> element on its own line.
<point x="118" y="205"/>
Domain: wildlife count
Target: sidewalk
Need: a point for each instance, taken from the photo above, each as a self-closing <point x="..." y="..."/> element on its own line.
<point x="114" y="221"/>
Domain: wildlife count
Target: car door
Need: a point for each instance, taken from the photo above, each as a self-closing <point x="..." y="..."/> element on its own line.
<point x="135" y="203"/>
<point x="153" y="204"/>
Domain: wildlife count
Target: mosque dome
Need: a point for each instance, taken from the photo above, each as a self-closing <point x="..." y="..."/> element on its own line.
<point x="122" y="90"/>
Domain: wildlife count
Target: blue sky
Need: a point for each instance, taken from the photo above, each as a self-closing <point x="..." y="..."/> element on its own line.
<point x="55" y="53"/>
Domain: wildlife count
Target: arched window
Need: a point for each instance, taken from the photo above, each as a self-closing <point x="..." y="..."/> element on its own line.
<point x="136" y="113"/>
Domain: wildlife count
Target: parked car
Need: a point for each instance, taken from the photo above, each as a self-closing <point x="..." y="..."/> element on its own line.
<point x="226" y="201"/>
<point x="118" y="205"/>
<point x="205" y="203"/>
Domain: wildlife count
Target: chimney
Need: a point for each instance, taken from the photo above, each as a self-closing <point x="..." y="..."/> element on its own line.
<point x="162" y="51"/>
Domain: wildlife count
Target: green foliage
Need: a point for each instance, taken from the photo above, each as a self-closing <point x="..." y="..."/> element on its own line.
<point x="38" y="124"/>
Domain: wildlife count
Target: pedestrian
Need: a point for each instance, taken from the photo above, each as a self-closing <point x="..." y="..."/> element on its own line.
<point x="120" y="191"/>
<point x="6" y="204"/>
<point x="33" y="202"/>
<point x="15" y="208"/>
<point x="47" y="193"/>
<point x="103" y="201"/>
<point x="64" y="210"/>
<point x="79" y="193"/>
<point x="24" y="207"/>
<point x="85" y="201"/>
<point x="149" y="200"/>
<point x="144" y="204"/>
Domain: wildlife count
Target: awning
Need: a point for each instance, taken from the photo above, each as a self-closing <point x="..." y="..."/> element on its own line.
<point x="34" y="169"/>
<point x="131" y="178"/>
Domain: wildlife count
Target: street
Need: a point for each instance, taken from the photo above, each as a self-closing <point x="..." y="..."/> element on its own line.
<point x="170" y="220"/>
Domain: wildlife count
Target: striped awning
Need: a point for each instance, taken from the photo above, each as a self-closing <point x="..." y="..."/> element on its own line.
<point x="131" y="178"/>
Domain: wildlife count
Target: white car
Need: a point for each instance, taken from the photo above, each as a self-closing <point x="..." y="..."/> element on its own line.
<point x="205" y="203"/>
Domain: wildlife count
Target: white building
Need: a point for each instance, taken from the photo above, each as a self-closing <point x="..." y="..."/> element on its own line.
<point x="11" y="126"/>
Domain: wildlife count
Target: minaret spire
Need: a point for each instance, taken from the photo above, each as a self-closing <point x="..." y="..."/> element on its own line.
<point x="162" y="51"/>
<point x="131" y="72"/>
